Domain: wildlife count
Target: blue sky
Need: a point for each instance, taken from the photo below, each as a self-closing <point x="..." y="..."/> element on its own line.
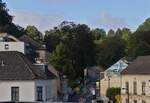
<point x="107" y="14"/>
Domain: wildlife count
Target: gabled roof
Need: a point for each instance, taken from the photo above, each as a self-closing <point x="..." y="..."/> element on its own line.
<point x="117" y="68"/>
<point x="15" y="66"/>
<point x="140" y="65"/>
<point x="119" y="65"/>
<point x="8" y="38"/>
<point x="30" y="41"/>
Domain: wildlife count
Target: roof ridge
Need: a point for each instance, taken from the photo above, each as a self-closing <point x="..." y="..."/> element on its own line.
<point x="140" y="65"/>
<point x="26" y="64"/>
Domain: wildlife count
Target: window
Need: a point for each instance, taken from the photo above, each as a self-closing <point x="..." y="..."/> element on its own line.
<point x="15" y="93"/>
<point x="39" y="93"/>
<point x="135" y="101"/>
<point x="127" y="87"/>
<point x="6" y="46"/>
<point x="127" y="100"/>
<point x="135" y="88"/>
<point x="143" y="101"/>
<point x="143" y="88"/>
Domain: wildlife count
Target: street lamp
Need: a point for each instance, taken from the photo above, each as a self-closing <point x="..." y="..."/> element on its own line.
<point x="109" y="76"/>
<point x="85" y="75"/>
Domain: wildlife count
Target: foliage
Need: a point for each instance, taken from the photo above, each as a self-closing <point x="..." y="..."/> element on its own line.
<point x="111" y="33"/>
<point x="145" y="26"/>
<point x="111" y="93"/>
<point x="5" y="18"/>
<point x="51" y="39"/>
<point x="33" y="32"/>
<point x="119" y="33"/>
<point x="140" y="44"/>
<point x="98" y="34"/>
<point x="109" y="51"/>
<point x="6" y="24"/>
<point x="60" y="61"/>
<point x="126" y="33"/>
<point x="77" y="52"/>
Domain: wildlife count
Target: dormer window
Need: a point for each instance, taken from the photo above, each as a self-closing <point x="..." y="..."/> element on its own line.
<point x="6" y="46"/>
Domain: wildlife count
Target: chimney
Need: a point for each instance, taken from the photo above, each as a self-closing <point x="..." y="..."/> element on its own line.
<point x="2" y="63"/>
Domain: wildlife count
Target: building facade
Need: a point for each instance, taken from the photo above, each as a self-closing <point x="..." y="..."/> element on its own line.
<point x="28" y="91"/>
<point x="10" y="43"/>
<point x="23" y="81"/>
<point x="135" y="85"/>
<point x="25" y="74"/>
<point x="112" y="77"/>
<point x="135" y="89"/>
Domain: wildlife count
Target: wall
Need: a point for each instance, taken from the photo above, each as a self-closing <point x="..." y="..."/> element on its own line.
<point x="44" y="55"/>
<point x="139" y="79"/>
<point x="49" y="89"/>
<point x="13" y="46"/>
<point x="26" y="90"/>
<point x="115" y="81"/>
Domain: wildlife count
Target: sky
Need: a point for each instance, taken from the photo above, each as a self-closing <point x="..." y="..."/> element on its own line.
<point x="106" y="14"/>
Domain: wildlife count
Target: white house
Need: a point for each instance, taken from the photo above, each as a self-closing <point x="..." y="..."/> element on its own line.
<point x="22" y="81"/>
<point x="24" y="47"/>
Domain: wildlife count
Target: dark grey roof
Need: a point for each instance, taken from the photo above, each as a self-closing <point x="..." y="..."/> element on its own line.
<point x="15" y="66"/>
<point x="30" y="41"/>
<point x="140" y="65"/>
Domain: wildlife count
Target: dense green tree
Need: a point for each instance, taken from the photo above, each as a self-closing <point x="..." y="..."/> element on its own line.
<point x="126" y="33"/>
<point x="140" y="44"/>
<point x="51" y="39"/>
<point x="145" y="26"/>
<point x="34" y="33"/>
<point x="111" y="33"/>
<point x="61" y="62"/>
<point x="84" y="51"/>
<point x="6" y="24"/>
<point x="98" y="33"/>
<point x="5" y="18"/>
<point x="119" y="33"/>
<point x="110" y="51"/>
<point x="79" y="51"/>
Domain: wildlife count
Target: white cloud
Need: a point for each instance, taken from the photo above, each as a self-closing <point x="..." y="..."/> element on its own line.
<point x="107" y="21"/>
<point x="42" y="22"/>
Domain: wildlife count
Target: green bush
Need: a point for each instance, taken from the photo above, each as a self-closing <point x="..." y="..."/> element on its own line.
<point x="112" y="93"/>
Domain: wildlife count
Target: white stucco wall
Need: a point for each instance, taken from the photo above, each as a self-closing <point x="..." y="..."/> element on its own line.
<point x="13" y="46"/>
<point x="139" y="79"/>
<point x="49" y="89"/>
<point x="26" y="90"/>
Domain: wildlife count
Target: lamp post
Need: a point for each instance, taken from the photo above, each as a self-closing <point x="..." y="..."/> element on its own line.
<point x="85" y="75"/>
<point x="109" y="76"/>
<point x="128" y="95"/>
